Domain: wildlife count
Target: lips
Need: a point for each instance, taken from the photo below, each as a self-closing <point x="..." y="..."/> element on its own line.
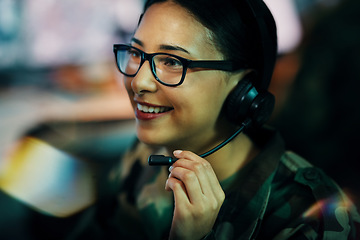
<point x="145" y="111"/>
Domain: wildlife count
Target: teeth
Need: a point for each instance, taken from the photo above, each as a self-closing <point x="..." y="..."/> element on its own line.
<point x="147" y="109"/>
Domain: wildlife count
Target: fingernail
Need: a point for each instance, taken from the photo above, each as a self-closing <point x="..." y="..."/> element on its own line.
<point x="170" y="169"/>
<point x="177" y="152"/>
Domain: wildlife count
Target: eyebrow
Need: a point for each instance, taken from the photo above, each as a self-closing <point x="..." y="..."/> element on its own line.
<point x="162" y="46"/>
<point x="137" y="41"/>
<point x="173" y="48"/>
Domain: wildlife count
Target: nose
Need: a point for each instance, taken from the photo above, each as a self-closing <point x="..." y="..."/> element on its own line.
<point x="144" y="80"/>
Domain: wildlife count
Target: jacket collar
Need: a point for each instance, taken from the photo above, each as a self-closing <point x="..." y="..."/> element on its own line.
<point x="248" y="191"/>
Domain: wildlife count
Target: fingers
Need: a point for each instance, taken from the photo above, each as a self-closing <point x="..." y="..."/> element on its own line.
<point x="189" y="180"/>
<point x="203" y="169"/>
<point x="195" y="177"/>
<point x="179" y="190"/>
<point x="197" y="193"/>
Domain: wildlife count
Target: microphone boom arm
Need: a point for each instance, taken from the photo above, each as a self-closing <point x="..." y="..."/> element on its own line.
<point x="161" y="160"/>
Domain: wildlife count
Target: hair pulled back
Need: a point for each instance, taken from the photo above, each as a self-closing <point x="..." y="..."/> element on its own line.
<point x="235" y="31"/>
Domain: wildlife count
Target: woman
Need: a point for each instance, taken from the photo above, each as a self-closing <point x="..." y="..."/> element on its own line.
<point x="183" y="109"/>
<point x="196" y="73"/>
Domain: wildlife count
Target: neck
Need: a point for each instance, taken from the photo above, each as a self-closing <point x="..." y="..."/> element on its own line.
<point x="233" y="156"/>
<point x="230" y="158"/>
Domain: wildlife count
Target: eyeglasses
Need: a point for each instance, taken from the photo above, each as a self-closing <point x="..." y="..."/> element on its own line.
<point x="168" y="69"/>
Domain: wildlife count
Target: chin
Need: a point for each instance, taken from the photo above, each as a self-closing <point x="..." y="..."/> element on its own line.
<point x="150" y="138"/>
<point x="157" y="140"/>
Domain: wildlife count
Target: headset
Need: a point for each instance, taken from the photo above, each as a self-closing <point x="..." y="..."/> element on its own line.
<point x="249" y="104"/>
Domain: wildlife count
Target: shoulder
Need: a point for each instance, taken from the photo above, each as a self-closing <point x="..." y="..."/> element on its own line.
<point x="305" y="202"/>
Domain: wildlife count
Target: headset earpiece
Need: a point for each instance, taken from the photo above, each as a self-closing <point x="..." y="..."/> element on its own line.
<point x="250" y="100"/>
<point x="246" y="102"/>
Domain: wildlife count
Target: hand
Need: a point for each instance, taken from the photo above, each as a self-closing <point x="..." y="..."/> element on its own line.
<point x="197" y="193"/>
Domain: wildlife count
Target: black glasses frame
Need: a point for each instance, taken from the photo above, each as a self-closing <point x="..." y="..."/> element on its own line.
<point x="223" y="65"/>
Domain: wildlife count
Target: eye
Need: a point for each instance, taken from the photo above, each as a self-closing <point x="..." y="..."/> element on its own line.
<point x="172" y="62"/>
<point x="168" y="61"/>
<point x="133" y="53"/>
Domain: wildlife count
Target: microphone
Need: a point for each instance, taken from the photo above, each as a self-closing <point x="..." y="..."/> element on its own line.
<point x="161" y="160"/>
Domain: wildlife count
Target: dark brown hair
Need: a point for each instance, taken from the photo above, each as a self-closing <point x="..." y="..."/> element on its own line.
<point x="236" y="31"/>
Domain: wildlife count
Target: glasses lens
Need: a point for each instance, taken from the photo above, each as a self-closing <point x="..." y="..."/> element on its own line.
<point x="128" y="60"/>
<point x="168" y="69"/>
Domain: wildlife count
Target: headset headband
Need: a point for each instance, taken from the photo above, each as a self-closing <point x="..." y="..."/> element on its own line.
<point x="266" y="26"/>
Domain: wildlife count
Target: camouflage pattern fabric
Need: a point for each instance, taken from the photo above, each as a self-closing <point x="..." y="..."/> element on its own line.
<point x="277" y="196"/>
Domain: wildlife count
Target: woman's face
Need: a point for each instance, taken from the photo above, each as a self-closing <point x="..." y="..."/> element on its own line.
<point x="191" y="118"/>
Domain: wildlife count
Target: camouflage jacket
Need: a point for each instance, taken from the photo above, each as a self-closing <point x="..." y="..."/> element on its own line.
<point x="286" y="199"/>
<point x="278" y="195"/>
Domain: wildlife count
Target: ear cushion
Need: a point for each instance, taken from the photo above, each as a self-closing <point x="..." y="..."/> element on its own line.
<point x="246" y="102"/>
<point x="238" y="102"/>
<point x="261" y="108"/>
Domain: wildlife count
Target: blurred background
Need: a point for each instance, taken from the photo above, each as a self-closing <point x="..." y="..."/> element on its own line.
<point x="57" y="74"/>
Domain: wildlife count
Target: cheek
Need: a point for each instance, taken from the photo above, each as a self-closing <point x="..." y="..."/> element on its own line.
<point x="202" y="102"/>
<point x="212" y="90"/>
<point x="210" y="105"/>
<point x="127" y="83"/>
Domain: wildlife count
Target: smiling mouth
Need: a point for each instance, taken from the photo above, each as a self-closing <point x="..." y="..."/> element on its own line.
<point x="152" y="109"/>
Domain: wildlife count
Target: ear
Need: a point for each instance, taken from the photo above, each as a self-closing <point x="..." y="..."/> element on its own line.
<point x="236" y="77"/>
<point x="246" y="102"/>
